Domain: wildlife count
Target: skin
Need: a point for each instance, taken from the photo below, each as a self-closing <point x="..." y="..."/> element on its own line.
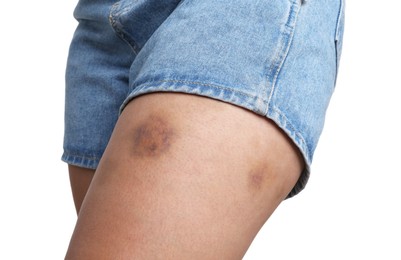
<point x="183" y="177"/>
<point x="80" y="179"/>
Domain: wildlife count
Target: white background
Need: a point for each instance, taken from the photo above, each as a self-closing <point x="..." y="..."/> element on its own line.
<point x="349" y="210"/>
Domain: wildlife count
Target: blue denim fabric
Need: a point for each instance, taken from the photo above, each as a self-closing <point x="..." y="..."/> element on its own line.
<point x="278" y="58"/>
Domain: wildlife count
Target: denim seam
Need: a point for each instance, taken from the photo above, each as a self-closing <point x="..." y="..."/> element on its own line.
<point x="293" y="130"/>
<point x="251" y="101"/>
<point x="284" y="44"/>
<point x="81" y="156"/>
<point x="71" y="159"/>
<point x="149" y="84"/>
<point x="114" y="16"/>
<point x="337" y="36"/>
<point x="339" y="16"/>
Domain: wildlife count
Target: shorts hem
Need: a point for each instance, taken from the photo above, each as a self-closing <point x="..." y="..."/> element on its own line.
<point x="214" y="91"/>
<point x="80" y="160"/>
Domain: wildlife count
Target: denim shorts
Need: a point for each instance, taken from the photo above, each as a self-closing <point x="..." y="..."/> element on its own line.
<point x="277" y="58"/>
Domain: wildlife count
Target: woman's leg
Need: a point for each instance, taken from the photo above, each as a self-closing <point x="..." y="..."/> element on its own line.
<point x="184" y="177"/>
<point x="80" y="179"/>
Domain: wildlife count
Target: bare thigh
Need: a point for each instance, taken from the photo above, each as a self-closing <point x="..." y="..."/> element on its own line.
<point x="184" y="177"/>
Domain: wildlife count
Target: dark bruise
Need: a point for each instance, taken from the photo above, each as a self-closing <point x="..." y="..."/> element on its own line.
<point x="153" y="137"/>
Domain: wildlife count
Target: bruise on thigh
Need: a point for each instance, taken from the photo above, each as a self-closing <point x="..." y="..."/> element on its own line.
<point x="257" y="178"/>
<point x="260" y="177"/>
<point x="153" y="137"/>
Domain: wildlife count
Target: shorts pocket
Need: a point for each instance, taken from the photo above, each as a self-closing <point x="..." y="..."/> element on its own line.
<point x="136" y="21"/>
